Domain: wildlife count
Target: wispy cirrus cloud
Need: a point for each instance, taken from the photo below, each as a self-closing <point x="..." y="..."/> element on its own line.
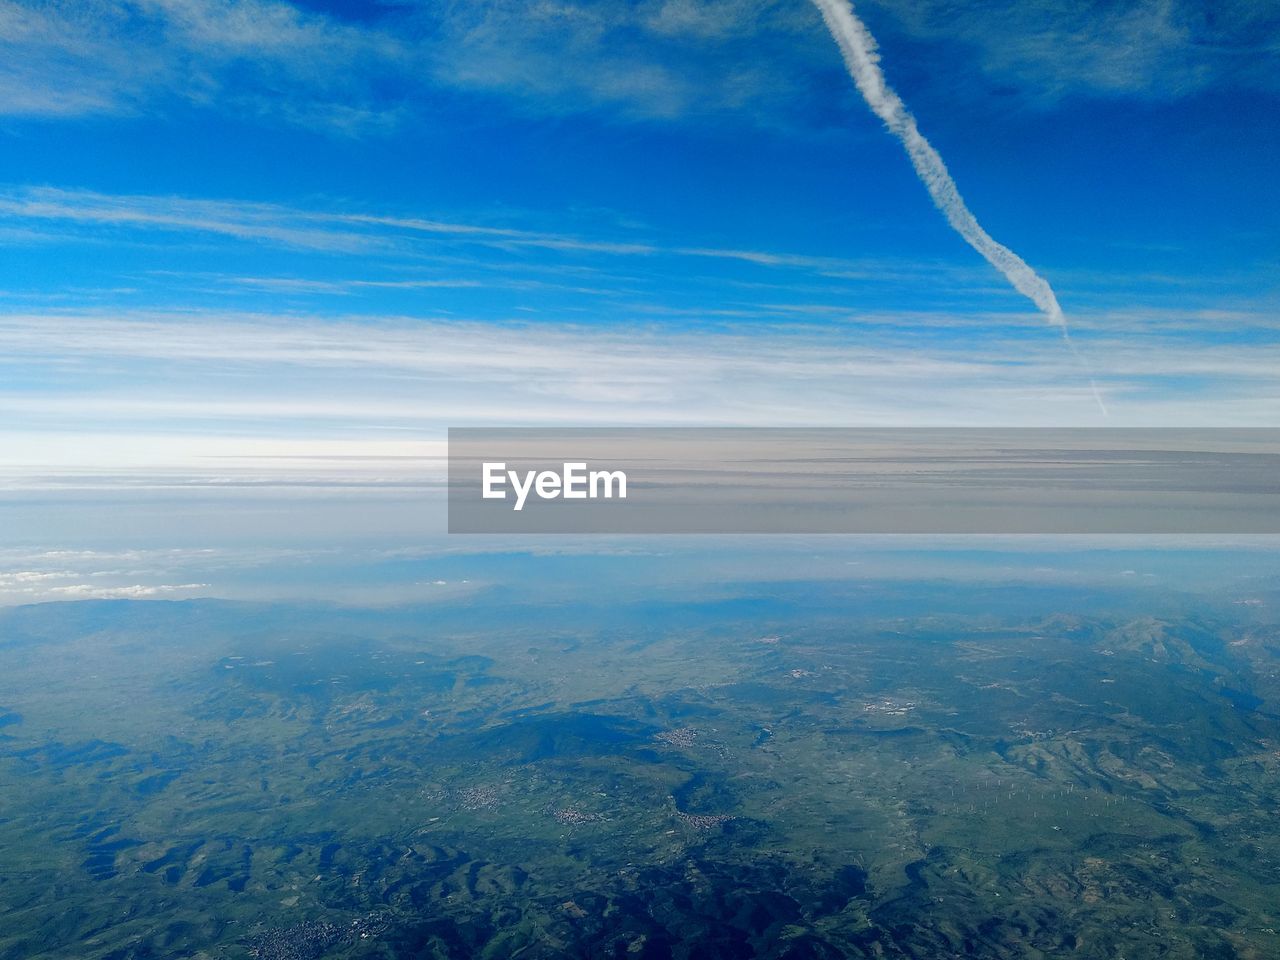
<point x="615" y="271"/>
<point x="207" y="251"/>
<point x="646" y="59"/>
<point x="341" y="232"/>
<point x="658" y="58"/>
<point x="640" y="59"/>
<point x="238" y="220"/>
<point x="92" y="57"/>
<point x="1044" y="51"/>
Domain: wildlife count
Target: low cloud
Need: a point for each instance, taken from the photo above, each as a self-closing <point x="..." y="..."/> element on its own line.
<point x="137" y="591"/>
<point x="34" y="585"/>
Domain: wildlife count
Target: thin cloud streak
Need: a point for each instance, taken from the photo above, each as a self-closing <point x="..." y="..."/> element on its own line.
<point x="351" y="232"/>
<point x="484" y="255"/>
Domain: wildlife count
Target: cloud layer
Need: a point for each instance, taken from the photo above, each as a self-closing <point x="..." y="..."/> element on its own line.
<point x="221" y="400"/>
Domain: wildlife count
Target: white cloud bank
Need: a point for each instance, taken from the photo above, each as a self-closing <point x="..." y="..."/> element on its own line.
<point x="213" y="398"/>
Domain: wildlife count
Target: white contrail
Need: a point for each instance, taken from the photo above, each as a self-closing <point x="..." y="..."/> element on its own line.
<point x="860" y="55"/>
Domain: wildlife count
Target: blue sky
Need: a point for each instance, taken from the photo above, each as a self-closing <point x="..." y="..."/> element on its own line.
<point x="273" y="242"/>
